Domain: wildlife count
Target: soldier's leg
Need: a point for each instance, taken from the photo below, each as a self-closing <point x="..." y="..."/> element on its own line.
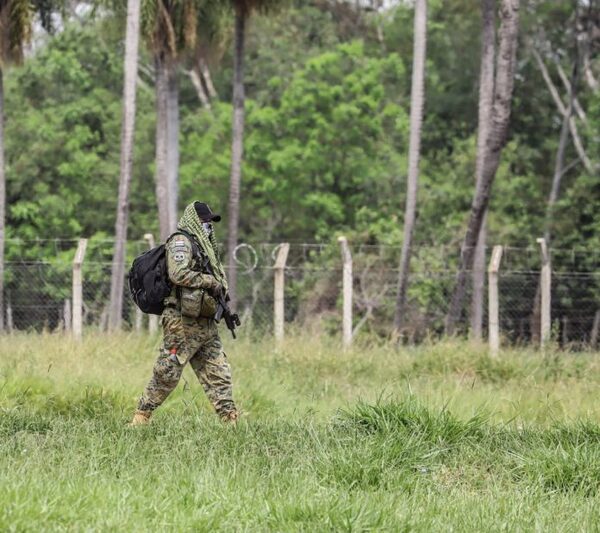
<point x="214" y="373"/>
<point x="169" y="365"/>
<point x="165" y="377"/>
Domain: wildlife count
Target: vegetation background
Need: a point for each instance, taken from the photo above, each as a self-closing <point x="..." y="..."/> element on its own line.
<point x="378" y="437"/>
<point x="328" y="93"/>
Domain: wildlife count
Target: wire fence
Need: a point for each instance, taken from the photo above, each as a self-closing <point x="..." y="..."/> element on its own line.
<point x="38" y="293"/>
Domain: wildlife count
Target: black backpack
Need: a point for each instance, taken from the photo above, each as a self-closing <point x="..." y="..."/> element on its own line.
<point x="149" y="282"/>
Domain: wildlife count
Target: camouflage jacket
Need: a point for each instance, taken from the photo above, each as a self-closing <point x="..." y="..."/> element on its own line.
<point x="185" y="270"/>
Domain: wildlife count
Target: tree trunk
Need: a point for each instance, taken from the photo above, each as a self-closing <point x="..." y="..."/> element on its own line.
<point x="237" y="149"/>
<point x="505" y="71"/>
<point x="486" y="99"/>
<point x="414" y="149"/>
<point x="127" y="134"/>
<point x="2" y="201"/>
<point x="173" y="145"/>
<point x="162" y="136"/>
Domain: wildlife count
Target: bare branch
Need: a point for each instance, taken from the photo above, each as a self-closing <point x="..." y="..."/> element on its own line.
<point x="587" y="163"/>
<point x="197" y="83"/>
<point x="576" y="105"/>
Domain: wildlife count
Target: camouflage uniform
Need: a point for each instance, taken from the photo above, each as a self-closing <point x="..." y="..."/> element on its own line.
<point x="189" y="339"/>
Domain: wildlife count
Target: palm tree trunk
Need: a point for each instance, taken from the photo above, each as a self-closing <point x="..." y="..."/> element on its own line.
<point x="486" y="99"/>
<point x="161" y="161"/>
<point x="127" y="135"/>
<point x="237" y="148"/>
<point x="173" y="144"/>
<point x="416" y="121"/>
<point x="505" y="72"/>
<point x="2" y="201"/>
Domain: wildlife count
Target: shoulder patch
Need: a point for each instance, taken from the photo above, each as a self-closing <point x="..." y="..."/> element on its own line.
<point x="179" y="257"/>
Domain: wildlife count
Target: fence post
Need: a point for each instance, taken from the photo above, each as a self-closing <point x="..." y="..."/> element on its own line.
<point x="493" y="305"/>
<point x="278" y="288"/>
<point x="546" y="285"/>
<point x="595" y="329"/>
<point x="78" y="289"/>
<point x="67" y="314"/>
<point x="152" y="319"/>
<point x="9" y="318"/>
<point x="347" y="292"/>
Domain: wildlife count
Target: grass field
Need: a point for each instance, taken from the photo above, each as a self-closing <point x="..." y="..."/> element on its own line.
<point x="433" y="438"/>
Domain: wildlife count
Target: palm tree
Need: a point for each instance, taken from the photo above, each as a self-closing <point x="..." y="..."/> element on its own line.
<point x="16" y="17"/>
<point x="170" y="29"/>
<point x="127" y="132"/>
<point x="496" y="139"/>
<point x="416" y="120"/>
<point x="242" y="10"/>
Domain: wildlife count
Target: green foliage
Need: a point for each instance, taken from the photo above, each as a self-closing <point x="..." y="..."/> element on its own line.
<point x="327" y="128"/>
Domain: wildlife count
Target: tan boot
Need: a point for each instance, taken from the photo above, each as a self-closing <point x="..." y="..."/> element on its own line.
<point x="141" y="418"/>
<point x="230" y="418"/>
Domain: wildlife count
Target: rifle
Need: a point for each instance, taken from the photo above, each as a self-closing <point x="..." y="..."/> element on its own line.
<point x="231" y="319"/>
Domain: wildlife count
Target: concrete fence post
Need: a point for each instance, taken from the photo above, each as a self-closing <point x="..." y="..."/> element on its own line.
<point x="9" y="318"/>
<point x="595" y="330"/>
<point x="152" y="319"/>
<point x="546" y="292"/>
<point x="346" y="292"/>
<point x="493" y="303"/>
<point x="279" y="290"/>
<point x="77" y="318"/>
<point x="67" y="314"/>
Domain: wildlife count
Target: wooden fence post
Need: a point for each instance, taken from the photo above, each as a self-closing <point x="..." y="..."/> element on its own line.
<point x="279" y="290"/>
<point x="546" y="295"/>
<point x="152" y="319"/>
<point x="493" y="304"/>
<point x="347" y="292"/>
<point x="78" y="290"/>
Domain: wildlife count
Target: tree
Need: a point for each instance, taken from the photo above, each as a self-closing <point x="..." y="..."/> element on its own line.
<point x="15" y="31"/>
<point x="498" y="134"/>
<point x="242" y="10"/>
<point x="127" y="134"/>
<point x="486" y="99"/>
<point x="170" y="28"/>
<point x="414" y="152"/>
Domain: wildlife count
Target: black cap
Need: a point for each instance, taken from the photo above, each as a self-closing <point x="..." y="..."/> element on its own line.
<point x="205" y="214"/>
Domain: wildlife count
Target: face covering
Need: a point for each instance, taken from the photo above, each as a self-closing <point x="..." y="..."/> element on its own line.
<point x="208" y="227"/>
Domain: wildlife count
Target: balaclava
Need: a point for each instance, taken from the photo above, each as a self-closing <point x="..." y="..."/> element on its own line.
<point x="190" y="222"/>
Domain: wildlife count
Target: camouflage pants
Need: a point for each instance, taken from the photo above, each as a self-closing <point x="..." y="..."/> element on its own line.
<point x="195" y="341"/>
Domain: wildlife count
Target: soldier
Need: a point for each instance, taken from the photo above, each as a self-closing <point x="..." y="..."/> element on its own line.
<point x="189" y="329"/>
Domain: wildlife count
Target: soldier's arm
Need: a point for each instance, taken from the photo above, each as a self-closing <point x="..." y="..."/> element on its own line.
<point x="180" y="261"/>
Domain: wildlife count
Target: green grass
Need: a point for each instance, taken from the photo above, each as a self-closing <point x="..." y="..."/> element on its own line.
<point x="438" y="437"/>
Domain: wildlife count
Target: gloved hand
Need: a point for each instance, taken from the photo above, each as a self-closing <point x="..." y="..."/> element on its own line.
<point x="215" y="289"/>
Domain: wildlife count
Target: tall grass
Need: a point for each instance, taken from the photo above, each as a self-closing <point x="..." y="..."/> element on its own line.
<point x="437" y="437"/>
